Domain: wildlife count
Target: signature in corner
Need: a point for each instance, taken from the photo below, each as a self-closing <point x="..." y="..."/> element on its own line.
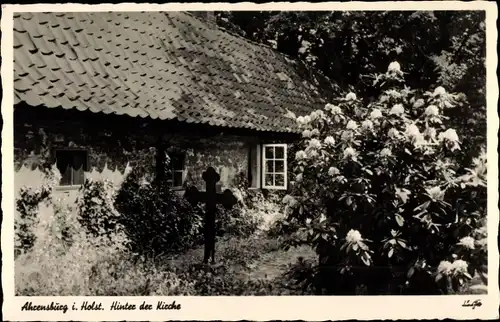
<point x="474" y="304"/>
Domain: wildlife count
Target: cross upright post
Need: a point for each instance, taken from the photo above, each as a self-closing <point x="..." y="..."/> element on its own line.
<point x="211" y="199"/>
<point x="211" y="178"/>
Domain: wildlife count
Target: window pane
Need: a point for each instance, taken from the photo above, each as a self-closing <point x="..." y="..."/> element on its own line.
<point x="269" y="152"/>
<point x="65" y="176"/>
<point x="79" y="160"/>
<point x="279" y="166"/>
<point x="270" y="166"/>
<point x="71" y="164"/>
<point x="269" y="180"/>
<point x="177" y="180"/>
<point x="279" y="180"/>
<point x="177" y="161"/>
<point x="78" y="176"/>
<point x="279" y="152"/>
<point x="63" y="160"/>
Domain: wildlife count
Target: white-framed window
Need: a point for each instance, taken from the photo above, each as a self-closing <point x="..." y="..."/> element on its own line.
<point x="274" y="166"/>
<point x="72" y="164"/>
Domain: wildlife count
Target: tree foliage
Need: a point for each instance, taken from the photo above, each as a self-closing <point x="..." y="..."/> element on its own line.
<point x="433" y="47"/>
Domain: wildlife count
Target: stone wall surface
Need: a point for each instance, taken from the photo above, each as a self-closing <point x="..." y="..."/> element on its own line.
<point x="116" y="149"/>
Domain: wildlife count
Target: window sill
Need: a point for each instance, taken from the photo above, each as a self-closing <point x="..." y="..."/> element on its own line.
<point x="275" y="188"/>
<point x="68" y="188"/>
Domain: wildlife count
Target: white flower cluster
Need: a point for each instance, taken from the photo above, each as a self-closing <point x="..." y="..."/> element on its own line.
<point x="443" y="98"/>
<point x="316" y="115"/>
<point x="393" y="133"/>
<point x="310" y="133"/>
<point x="394" y="93"/>
<point x="312" y="149"/>
<point x="314" y="144"/>
<point x="333" y="171"/>
<point x="419" y="103"/>
<point x="467" y="242"/>
<point x="367" y="125"/>
<point x="450" y="137"/>
<point x="458" y="266"/>
<point x="435" y="193"/>
<point x="304" y="121"/>
<point x="334" y="109"/>
<point x="375" y="114"/>
<point x="385" y="153"/>
<point x="394" y="68"/>
<point x="445" y="268"/>
<point x="353" y="236"/>
<point x="300" y="155"/>
<point x="347" y="136"/>
<point x="352" y="125"/>
<point x="350" y="153"/>
<point x="329" y="141"/>
<point x="413" y="133"/>
<point x="397" y="110"/>
<point x="439" y="91"/>
<point x="290" y="201"/>
<point x="432" y="110"/>
<point x="350" y="97"/>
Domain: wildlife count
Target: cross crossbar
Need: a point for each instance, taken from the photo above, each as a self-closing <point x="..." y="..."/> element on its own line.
<point x="211" y="198"/>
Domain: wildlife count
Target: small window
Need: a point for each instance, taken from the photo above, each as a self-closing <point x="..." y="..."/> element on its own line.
<point x="177" y="168"/>
<point x="72" y="165"/>
<point x="274" y="166"/>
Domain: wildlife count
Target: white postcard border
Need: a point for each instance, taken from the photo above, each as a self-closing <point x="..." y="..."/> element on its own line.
<point x="311" y="308"/>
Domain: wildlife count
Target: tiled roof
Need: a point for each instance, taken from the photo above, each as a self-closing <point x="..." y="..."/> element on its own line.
<point x="166" y="65"/>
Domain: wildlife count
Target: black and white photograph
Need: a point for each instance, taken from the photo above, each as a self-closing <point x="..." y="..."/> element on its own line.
<point x="161" y="153"/>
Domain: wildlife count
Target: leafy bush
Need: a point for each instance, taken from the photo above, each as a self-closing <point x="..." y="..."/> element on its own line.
<point x="302" y="276"/>
<point x="380" y="193"/>
<point x="63" y="254"/>
<point x="156" y="220"/>
<point x="96" y="212"/>
<point x="135" y="276"/>
<point x="27" y="208"/>
<point x="236" y="222"/>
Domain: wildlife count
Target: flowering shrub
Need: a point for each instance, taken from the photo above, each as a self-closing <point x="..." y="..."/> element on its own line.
<point x="378" y="190"/>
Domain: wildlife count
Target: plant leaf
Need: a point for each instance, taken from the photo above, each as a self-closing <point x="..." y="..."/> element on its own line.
<point x="400" y="220"/>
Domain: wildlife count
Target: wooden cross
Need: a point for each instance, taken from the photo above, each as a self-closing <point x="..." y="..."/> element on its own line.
<point x="211" y="199"/>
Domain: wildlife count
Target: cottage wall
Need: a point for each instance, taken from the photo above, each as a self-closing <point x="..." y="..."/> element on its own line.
<point x="116" y="148"/>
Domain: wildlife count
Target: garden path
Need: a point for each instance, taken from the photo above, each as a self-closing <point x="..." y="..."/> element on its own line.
<point x="253" y="258"/>
<point x="274" y="264"/>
